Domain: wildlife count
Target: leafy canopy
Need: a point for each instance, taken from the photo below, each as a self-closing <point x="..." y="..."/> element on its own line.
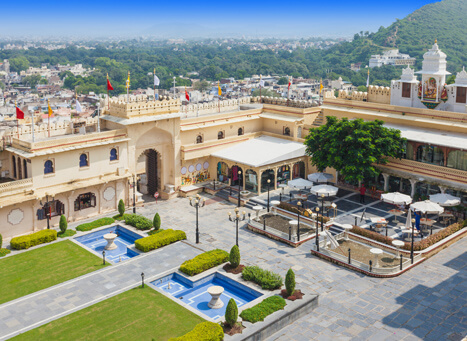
<point x="353" y="147"/>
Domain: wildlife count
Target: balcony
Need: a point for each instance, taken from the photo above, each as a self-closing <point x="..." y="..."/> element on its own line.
<point x="15" y="187"/>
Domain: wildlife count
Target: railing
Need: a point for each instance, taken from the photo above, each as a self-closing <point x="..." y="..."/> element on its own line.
<point x="15" y="185"/>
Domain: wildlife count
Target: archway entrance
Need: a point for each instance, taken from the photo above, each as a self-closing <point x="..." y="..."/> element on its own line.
<point x="148" y="168"/>
<point x="237" y="178"/>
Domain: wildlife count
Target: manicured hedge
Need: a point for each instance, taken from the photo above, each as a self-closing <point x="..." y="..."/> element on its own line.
<point x="204" y="262"/>
<point x="25" y="242"/>
<point x="204" y="331"/>
<point x="263" y="309"/>
<point x="138" y="221"/>
<point x="95" y="224"/>
<point x="4" y="252"/>
<point x="160" y="239"/>
<point x="372" y="235"/>
<point x="295" y="209"/>
<point x="266" y="279"/>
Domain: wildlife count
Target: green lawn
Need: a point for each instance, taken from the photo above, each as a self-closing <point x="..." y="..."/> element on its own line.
<point x="41" y="268"/>
<point x="137" y="314"/>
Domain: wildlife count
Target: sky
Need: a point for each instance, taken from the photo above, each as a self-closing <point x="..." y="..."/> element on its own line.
<point x="205" y="19"/>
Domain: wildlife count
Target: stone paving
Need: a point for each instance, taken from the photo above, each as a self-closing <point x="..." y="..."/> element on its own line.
<point x="428" y="302"/>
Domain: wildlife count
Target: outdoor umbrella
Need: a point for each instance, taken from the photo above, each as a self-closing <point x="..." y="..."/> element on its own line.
<point x="408" y="222"/>
<point x="427" y="207"/>
<point x="445" y="199"/>
<point x="396" y="198"/>
<point x="300" y="183"/>
<point x="320" y="177"/>
<point x="326" y="190"/>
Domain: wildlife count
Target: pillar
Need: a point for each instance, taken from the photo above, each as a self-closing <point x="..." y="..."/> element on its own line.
<point x="442" y="189"/>
<point x="244" y="177"/>
<point x="71" y="207"/>
<point x="275" y="177"/>
<point x="386" y="181"/>
<point x="412" y="183"/>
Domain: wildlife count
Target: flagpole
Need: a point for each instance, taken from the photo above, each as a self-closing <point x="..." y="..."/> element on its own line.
<point x="108" y="97"/>
<point x="98" y="117"/>
<point x="48" y="115"/>
<point x="32" y="120"/>
<point x="288" y="93"/>
<point x="17" y="121"/>
<point x="220" y="94"/>
<point x="128" y="88"/>
<point x="260" y="98"/>
<point x="154" y="74"/>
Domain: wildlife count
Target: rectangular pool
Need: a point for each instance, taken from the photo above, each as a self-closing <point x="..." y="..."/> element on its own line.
<point x="195" y="294"/>
<point x="95" y="241"/>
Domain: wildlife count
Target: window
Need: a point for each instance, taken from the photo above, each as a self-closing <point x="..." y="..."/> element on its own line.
<point x="84" y="201"/>
<point x="25" y="167"/>
<point x="113" y="154"/>
<point x="240" y="131"/>
<point x="55" y="208"/>
<point x="406" y="90"/>
<point x="48" y="167"/>
<point x="199" y="139"/>
<point x="83" y="160"/>
<point x="220" y="135"/>
<point x="461" y="94"/>
<point x="286" y="131"/>
<point x="14" y="165"/>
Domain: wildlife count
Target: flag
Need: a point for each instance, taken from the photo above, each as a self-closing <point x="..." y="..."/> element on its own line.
<point x="368" y="79"/>
<point x="109" y="86"/>
<point x="50" y="111"/>
<point x="128" y="81"/>
<point x="78" y="106"/>
<point x="320" y="86"/>
<point x="261" y="82"/>
<point x="156" y="80"/>
<point x="187" y="96"/>
<point x="290" y="83"/>
<point x="19" y="113"/>
<point x="219" y="90"/>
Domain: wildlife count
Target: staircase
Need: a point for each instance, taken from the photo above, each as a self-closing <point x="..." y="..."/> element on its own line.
<point x="255" y="202"/>
<point x="319" y="120"/>
<point x="224" y="193"/>
<point x="335" y="229"/>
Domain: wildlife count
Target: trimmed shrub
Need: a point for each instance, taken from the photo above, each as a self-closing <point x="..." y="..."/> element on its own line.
<point x="138" y="221"/>
<point x="41" y="237"/>
<point x="295" y="209"/>
<point x="63" y="224"/>
<point x="1" y="240"/>
<point x="4" y="252"/>
<point x="290" y="282"/>
<point x="234" y="258"/>
<point x="204" y="262"/>
<point x="263" y="309"/>
<point x="266" y="279"/>
<point x="121" y="207"/>
<point x="204" y="331"/>
<point x="160" y="239"/>
<point x="67" y="233"/>
<point x="372" y="235"/>
<point x="436" y="237"/>
<point x="157" y="221"/>
<point x="95" y="224"/>
<point x="231" y="313"/>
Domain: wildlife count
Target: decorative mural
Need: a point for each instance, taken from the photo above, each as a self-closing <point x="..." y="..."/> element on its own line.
<point x="15" y="216"/>
<point x="194" y="174"/>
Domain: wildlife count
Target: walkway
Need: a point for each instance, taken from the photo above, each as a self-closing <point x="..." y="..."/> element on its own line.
<point x="39" y="308"/>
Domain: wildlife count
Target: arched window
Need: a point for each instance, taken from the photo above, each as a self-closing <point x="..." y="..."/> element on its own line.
<point x="48" y="167"/>
<point x="20" y="172"/>
<point x="25" y="167"/>
<point x="83" y="160"/>
<point x="14" y="165"/>
<point x="113" y="154"/>
<point x="199" y="139"/>
<point x="287" y="131"/>
<point x="240" y="131"/>
<point x="220" y="135"/>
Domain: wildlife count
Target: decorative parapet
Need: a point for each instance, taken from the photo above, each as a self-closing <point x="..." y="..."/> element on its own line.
<point x="15" y="186"/>
<point x="214" y="106"/>
<point x="140" y="105"/>
<point x="283" y="101"/>
<point x="375" y="94"/>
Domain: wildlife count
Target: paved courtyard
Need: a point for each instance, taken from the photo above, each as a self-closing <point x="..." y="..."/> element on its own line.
<point x="427" y="303"/>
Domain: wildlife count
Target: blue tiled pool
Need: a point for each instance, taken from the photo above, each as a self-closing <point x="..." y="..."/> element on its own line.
<point x="95" y="241"/>
<point x="195" y="293"/>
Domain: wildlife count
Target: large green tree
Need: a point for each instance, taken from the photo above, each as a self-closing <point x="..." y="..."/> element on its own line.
<point x="353" y="147"/>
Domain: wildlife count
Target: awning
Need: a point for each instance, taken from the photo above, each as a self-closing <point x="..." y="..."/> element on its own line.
<point x="261" y="151"/>
<point x="432" y="136"/>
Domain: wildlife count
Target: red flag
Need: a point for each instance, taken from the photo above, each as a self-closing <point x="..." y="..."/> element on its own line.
<point x="288" y="88"/>
<point x="187" y="96"/>
<point x="19" y="114"/>
<point x="109" y="86"/>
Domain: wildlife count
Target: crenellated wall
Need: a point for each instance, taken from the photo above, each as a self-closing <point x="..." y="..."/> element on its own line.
<point x="375" y="94"/>
<point x="283" y="101"/>
<point x="140" y="106"/>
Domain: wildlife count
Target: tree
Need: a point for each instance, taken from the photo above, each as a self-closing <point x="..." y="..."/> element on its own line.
<point x="32" y="80"/>
<point x="234" y="257"/>
<point x="19" y="64"/>
<point x="231" y="313"/>
<point x="63" y="224"/>
<point x="290" y="282"/>
<point x="156" y="221"/>
<point x="362" y="88"/>
<point x="121" y="207"/>
<point x="353" y="147"/>
<point x="265" y="93"/>
<point x="283" y="81"/>
<point x="202" y="85"/>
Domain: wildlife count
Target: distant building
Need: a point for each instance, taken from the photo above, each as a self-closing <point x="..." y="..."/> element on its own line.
<point x="391" y="57"/>
<point x="355" y="66"/>
<point x="5" y="66"/>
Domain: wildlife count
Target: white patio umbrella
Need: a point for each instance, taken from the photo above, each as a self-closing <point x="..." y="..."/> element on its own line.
<point x="396" y="198"/>
<point x="427" y="207"/>
<point x="320" y="177"/>
<point x="326" y="190"/>
<point x="408" y="222"/>
<point x="300" y="183"/>
<point x="445" y="199"/>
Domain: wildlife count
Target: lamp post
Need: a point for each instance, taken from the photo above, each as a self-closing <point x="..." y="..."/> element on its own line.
<point x="48" y="209"/>
<point x="197" y="203"/>
<point x="142" y="279"/>
<point x="236" y="219"/>
<point x="133" y="183"/>
<point x="239" y="174"/>
<point x="317" y="229"/>
<point x="269" y="184"/>
<point x="103" y="257"/>
<point x="322" y="212"/>
<point x="298" y="220"/>
<point x="411" y="247"/>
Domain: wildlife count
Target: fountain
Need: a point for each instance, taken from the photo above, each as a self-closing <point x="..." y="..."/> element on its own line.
<point x="110" y="237"/>
<point x="215" y="291"/>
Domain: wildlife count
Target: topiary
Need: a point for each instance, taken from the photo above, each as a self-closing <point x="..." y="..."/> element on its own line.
<point x="234" y="257"/>
<point x="63" y="223"/>
<point x="1" y="240"/>
<point x="121" y="207"/>
<point x="157" y="222"/>
<point x="290" y="282"/>
<point x="231" y="313"/>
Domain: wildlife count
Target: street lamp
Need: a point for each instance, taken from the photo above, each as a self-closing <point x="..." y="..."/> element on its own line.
<point x="134" y="192"/>
<point x="48" y="209"/>
<point x="317" y="229"/>
<point x="411" y="248"/>
<point x="236" y="219"/>
<point x="103" y="257"/>
<point x="269" y="184"/>
<point x="142" y="279"/>
<point x="298" y="220"/>
<point x="322" y="212"/>
<point x="239" y="174"/>
<point x="197" y="203"/>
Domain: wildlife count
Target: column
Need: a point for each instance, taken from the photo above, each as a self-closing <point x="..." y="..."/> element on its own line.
<point x="275" y="177"/>
<point x="71" y="206"/>
<point x="413" y="183"/>
<point x="244" y="177"/>
<point x="442" y="189"/>
<point x="386" y="181"/>
<point x="258" y="179"/>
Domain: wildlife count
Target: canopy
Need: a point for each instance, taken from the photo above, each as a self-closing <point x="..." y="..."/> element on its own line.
<point x="326" y="190"/>
<point x="427" y="206"/>
<point x="396" y="198"/>
<point x="320" y="177"/>
<point x="445" y="199"/>
<point x="300" y="183"/>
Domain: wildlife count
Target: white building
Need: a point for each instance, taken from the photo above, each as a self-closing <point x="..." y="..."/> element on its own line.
<point x="391" y="57"/>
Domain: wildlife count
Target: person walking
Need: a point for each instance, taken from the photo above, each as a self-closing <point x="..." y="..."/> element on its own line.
<point x="362" y="193"/>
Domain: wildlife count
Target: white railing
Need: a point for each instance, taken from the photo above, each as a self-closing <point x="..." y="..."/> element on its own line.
<point x="15" y="185"/>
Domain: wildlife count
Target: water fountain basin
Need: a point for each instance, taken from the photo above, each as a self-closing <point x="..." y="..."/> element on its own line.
<point x="110" y="237"/>
<point x="215" y="291"/>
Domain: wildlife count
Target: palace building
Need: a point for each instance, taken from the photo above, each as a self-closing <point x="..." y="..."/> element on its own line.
<point x="168" y="149"/>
